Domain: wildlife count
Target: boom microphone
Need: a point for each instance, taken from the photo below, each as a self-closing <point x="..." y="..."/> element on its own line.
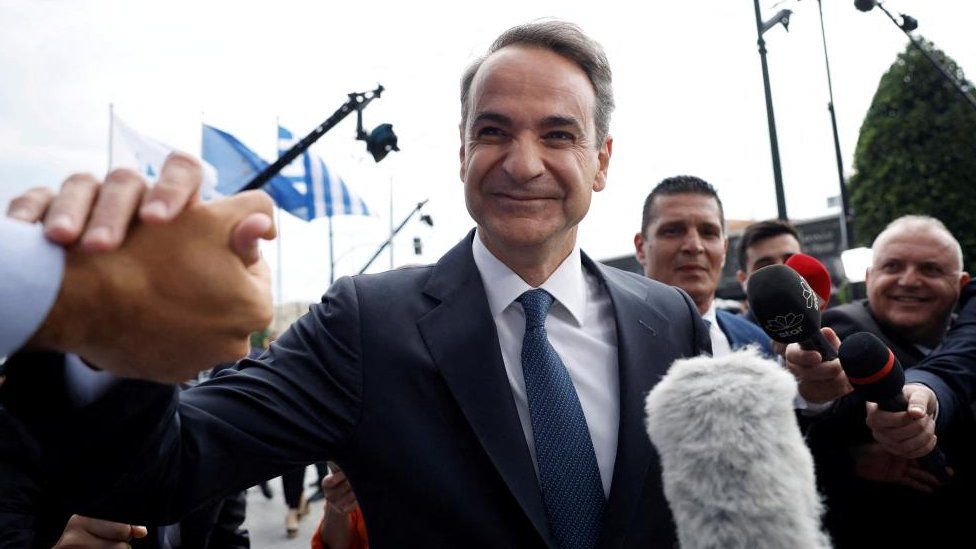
<point x="865" y="5"/>
<point x="736" y="471"/>
<point x="814" y="272"/>
<point x="787" y="308"/>
<point x="877" y="376"/>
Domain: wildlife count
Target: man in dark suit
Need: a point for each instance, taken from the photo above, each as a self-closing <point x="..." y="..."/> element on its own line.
<point x="954" y="361"/>
<point x="913" y="284"/>
<point x="494" y="399"/>
<point x="683" y="242"/>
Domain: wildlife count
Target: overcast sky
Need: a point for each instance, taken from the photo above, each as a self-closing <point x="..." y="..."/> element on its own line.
<point x="686" y="74"/>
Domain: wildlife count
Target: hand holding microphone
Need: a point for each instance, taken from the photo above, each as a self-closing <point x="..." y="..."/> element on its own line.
<point x="788" y="309"/>
<point x="900" y="416"/>
<point x="910" y="432"/>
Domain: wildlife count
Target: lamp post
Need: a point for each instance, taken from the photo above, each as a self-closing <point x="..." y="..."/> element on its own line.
<point x="907" y="25"/>
<point x="846" y="236"/>
<point x="379" y="142"/>
<point x="424" y="218"/>
<point x="782" y="17"/>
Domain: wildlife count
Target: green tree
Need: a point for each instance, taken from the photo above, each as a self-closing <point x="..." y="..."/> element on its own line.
<point x="916" y="153"/>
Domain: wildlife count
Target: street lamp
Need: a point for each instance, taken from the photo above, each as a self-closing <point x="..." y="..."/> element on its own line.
<point x="783" y="17"/>
<point x="846" y="235"/>
<point x="379" y="142"/>
<point x="907" y="25"/>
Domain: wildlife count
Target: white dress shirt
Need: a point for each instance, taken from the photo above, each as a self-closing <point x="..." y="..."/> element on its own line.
<point x="720" y="342"/>
<point x="582" y="330"/>
<point x="31" y="269"/>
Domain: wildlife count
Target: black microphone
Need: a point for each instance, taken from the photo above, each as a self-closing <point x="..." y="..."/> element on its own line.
<point x="865" y="5"/>
<point x="877" y="376"/>
<point x="788" y="309"/>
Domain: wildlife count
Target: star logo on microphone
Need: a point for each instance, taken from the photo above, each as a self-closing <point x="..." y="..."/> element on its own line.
<point x="781" y="323"/>
<point x="809" y="295"/>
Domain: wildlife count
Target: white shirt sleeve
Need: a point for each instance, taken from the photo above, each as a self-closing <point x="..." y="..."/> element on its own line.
<point x="31" y="269"/>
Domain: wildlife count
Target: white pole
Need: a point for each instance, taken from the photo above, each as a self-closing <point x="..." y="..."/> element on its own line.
<point x="111" y="131"/>
<point x="280" y="283"/>
<point x="391" y="222"/>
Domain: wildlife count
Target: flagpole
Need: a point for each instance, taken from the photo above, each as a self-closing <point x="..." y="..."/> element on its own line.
<point x="391" y="221"/>
<point x="278" y="243"/>
<point x="281" y="298"/>
<point x="111" y="130"/>
<point x="331" y="253"/>
<point x="389" y="241"/>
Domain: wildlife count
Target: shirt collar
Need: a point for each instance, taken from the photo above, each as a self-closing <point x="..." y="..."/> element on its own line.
<point x="710" y="314"/>
<point x="503" y="286"/>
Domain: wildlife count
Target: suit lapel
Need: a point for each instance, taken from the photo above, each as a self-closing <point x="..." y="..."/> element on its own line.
<point x="730" y="331"/>
<point x="638" y="344"/>
<point x="463" y="341"/>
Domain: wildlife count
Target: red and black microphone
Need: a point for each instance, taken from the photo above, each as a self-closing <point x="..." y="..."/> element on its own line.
<point x="878" y="377"/>
<point x="815" y="273"/>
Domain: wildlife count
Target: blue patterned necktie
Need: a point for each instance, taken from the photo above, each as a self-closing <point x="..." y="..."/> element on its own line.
<point x="568" y="472"/>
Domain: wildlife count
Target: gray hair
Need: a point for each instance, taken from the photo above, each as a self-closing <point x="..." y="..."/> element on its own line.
<point x="922" y="222"/>
<point x="564" y="39"/>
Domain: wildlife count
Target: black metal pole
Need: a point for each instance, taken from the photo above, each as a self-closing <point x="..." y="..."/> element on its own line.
<point x="773" y="142"/>
<point x="935" y="62"/>
<point x="846" y="234"/>
<point x="357" y="102"/>
<point x="393" y="234"/>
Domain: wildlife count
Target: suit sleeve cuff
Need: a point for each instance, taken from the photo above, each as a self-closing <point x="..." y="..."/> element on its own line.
<point x="945" y="399"/>
<point x="811" y="409"/>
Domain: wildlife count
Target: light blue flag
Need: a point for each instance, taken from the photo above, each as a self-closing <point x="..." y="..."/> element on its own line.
<point x="236" y="165"/>
<point x="324" y="193"/>
<point x="132" y="149"/>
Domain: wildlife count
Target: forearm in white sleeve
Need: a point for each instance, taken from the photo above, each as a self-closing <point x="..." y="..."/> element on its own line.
<point x="31" y="269"/>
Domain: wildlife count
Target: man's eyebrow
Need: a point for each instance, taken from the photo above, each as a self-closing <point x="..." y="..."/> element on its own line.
<point x="559" y="121"/>
<point x="489" y="116"/>
<point x="672" y="223"/>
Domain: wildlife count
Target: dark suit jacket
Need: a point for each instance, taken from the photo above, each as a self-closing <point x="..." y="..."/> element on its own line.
<point x="399" y="378"/>
<point x="19" y="484"/>
<point x="954" y="362"/>
<point x="742" y="333"/>
<point x="856" y="317"/>
<point x="853" y="502"/>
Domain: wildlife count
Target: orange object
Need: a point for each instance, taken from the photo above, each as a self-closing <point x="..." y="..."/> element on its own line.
<point x="358" y="526"/>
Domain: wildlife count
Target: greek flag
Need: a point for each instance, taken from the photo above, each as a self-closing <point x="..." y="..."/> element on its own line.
<point x="236" y="165"/>
<point x="325" y="193"/>
<point x="131" y="149"/>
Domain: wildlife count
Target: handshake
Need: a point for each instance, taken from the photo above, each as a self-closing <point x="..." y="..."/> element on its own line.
<point x="156" y="284"/>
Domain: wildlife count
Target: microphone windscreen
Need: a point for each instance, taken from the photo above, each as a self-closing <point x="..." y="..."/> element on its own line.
<point x="814" y="272"/>
<point x="784" y="304"/>
<point x="865" y="5"/>
<point x="871" y="367"/>
<point x="736" y="471"/>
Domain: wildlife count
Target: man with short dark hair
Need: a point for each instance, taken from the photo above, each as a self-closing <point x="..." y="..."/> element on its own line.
<point x="682" y="242"/>
<point x="764" y="243"/>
